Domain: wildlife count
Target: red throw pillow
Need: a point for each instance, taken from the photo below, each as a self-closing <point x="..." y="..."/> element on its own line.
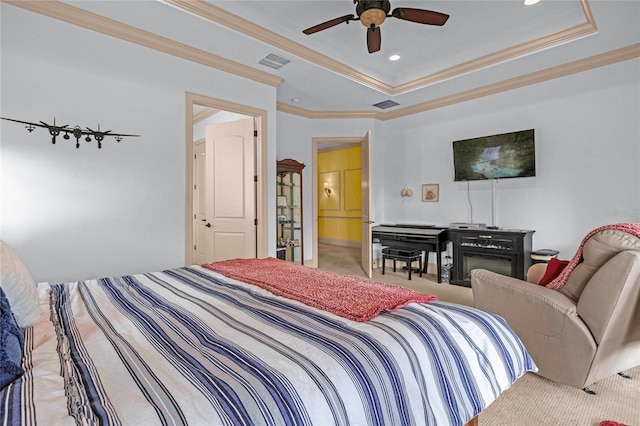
<point x="554" y="268"/>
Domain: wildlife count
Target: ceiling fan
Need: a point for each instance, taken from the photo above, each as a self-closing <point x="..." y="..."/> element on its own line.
<point x="373" y="13"/>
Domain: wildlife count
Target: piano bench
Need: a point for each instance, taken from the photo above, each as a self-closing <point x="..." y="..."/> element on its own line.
<point x="405" y="254"/>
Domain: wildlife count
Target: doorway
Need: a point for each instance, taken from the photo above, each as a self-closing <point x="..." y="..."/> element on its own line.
<point x="195" y="102"/>
<point x="344" y="142"/>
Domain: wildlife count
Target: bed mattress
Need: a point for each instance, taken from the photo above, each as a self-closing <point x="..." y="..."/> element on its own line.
<point x="190" y="346"/>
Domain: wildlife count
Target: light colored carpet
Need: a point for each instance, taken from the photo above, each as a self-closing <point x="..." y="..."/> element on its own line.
<point x="532" y="400"/>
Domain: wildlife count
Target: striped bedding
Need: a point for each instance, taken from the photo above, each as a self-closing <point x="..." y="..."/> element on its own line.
<point x="189" y="346"/>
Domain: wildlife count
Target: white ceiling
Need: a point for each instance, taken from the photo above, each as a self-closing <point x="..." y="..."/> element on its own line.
<point x="483" y="43"/>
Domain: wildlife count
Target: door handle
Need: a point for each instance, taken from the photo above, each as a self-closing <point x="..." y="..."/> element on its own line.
<point x="208" y="225"/>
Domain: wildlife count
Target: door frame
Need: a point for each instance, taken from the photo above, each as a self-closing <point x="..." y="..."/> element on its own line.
<point x="260" y="115"/>
<point x="341" y="142"/>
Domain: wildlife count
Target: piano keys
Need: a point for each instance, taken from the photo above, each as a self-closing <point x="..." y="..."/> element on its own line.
<point x="428" y="238"/>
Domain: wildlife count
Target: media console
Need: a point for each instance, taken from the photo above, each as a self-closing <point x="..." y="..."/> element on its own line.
<point x="505" y="251"/>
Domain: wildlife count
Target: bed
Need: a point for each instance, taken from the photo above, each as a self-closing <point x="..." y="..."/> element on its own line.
<point x="194" y="346"/>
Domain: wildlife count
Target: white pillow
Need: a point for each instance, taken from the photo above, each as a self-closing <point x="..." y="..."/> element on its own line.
<point x="21" y="290"/>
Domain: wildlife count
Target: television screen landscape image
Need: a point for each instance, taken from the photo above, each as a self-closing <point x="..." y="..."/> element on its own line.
<point x="506" y="155"/>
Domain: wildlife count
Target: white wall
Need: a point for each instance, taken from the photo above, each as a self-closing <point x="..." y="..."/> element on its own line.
<point x="295" y="140"/>
<point x="76" y="214"/>
<point x="587" y="152"/>
<point x="81" y="213"/>
<point x="587" y="130"/>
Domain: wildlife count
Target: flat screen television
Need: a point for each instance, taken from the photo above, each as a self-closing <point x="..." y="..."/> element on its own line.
<point x="506" y="155"/>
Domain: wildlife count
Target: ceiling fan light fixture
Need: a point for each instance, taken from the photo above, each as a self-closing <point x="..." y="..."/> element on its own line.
<point x="372" y="13"/>
<point x="373" y="17"/>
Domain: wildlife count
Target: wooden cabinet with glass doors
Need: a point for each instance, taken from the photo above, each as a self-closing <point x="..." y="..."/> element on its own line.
<point x="289" y="211"/>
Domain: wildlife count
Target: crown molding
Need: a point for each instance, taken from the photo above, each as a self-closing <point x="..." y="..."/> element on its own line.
<point x="573" y="33"/>
<point x="306" y="113"/>
<point x="91" y="21"/>
<point x="76" y="16"/>
<point x="574" y="67"/>
<point x="216" y="14"/>
<point x="596" y="61"/>
<point x="221" y="16"/>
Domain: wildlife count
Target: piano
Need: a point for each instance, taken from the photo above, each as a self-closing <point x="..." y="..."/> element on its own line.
<point x="428" y="238"/>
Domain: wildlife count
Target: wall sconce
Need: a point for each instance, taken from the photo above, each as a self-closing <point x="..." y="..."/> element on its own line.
<point x="327" y="190"/>
<point x="406" y="192"/>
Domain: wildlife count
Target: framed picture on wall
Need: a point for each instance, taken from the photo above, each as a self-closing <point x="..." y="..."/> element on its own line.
<point x="431" y="192"/>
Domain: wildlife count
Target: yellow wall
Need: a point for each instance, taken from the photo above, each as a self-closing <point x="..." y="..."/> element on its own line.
<point x="340" y="213"/>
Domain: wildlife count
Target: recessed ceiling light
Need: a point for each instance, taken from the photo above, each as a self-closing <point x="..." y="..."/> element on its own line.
<point x="530" y="2"/>
<point x="394" y="57"/>
<point x="295" y="100"/>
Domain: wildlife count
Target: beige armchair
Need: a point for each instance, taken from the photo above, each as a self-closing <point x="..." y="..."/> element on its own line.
<point x="588" y="330"/>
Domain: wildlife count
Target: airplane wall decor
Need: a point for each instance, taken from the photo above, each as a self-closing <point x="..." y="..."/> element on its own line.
<point x="77" y="132"/>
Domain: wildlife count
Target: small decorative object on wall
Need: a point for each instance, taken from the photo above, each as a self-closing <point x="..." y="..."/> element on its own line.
<point x="329" y="189"/>
<point x="406" y="192"/>
<point x="431" y="192"/>
<point x="77" y="132"/>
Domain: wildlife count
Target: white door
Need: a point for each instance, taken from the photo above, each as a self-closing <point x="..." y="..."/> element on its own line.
<point x="229" y="224"/>
<point x="202" y="241"/>
<point x="366" y="205"/>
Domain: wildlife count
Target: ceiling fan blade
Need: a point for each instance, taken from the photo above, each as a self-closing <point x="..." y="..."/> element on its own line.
<point x="328" y="24"/>
<point x="420" y="16"/>
<point x="374" y="39"/>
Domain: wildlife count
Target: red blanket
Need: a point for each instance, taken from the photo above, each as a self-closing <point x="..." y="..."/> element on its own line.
<point x="561" y="280"/>
<point x="353" y="298"/>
